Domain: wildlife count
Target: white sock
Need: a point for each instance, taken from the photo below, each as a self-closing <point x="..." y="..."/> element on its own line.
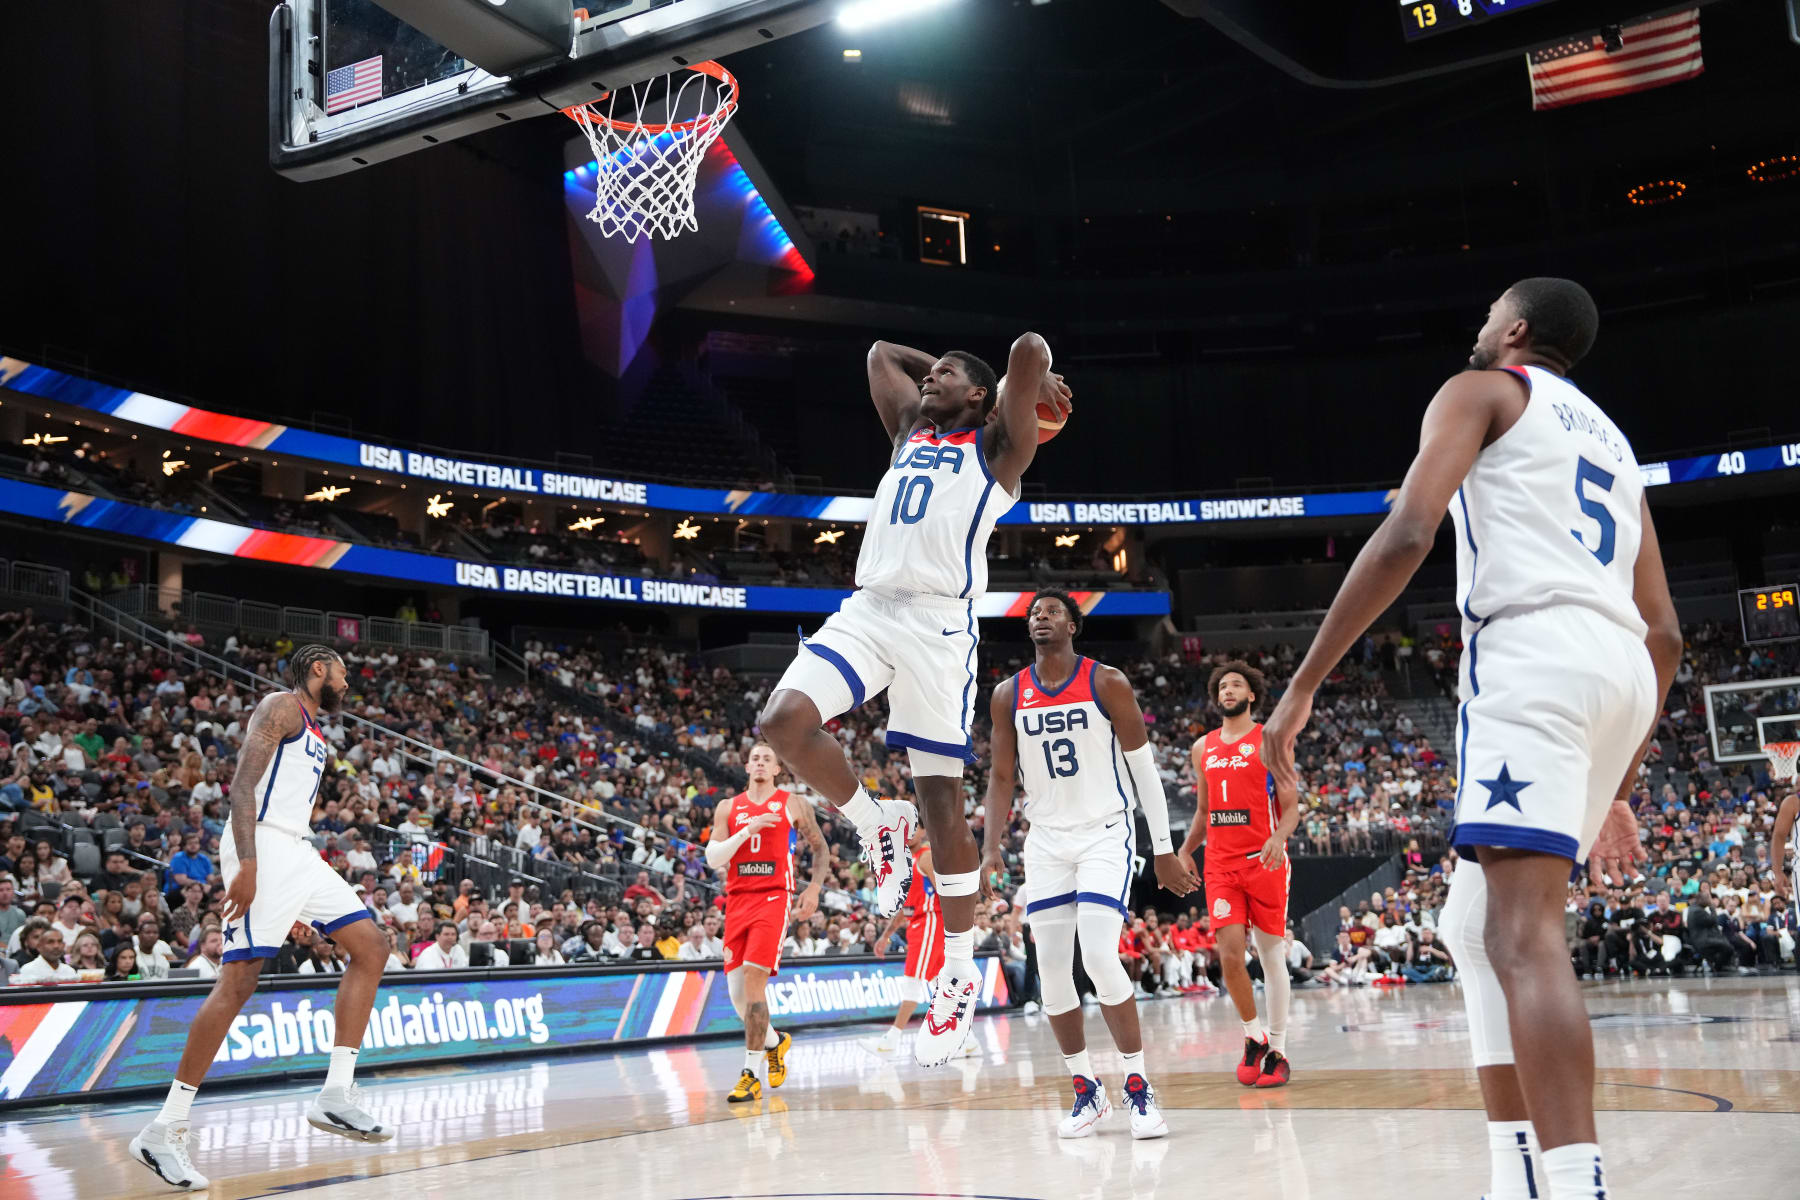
<point x="1512" y="1147"/>
<point x="892" y="1036"/>
<point x="861" y="811"/>
<point x="176" y="1105"/>
<point x="1134" y="1064"/>
<point x="343" y="1066"/>
<point x="753" y="1062"/>
<point x="1574" y="1172"/>
<point x="959" y="947"/>
<point x="1079" y="1065"/>
<point x="771" y="1039"/>
<point x="1253" y="1030"/>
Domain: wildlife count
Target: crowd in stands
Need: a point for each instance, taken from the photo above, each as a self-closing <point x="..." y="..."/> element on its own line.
<point x="589" y="788"/>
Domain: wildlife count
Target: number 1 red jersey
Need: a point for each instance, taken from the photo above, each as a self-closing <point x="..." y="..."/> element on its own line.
<point x="764" y="862"/>
<point x="1240" y="801"/>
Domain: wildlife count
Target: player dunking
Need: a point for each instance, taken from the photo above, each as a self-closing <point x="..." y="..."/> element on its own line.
<point x="960" y="445"/>
<point x="1571" y="642"/>
<point x="751" y="838"/>
<point x="273" y="878"/>
<point x="1247" y="868"/>
<point x="1072" y="729"/>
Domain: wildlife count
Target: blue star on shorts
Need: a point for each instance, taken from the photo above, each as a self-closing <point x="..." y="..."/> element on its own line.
<point x="1504" y="790"/>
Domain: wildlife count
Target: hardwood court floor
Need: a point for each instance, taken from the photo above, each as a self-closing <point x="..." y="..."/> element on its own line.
<point x="1699" y="1083"/>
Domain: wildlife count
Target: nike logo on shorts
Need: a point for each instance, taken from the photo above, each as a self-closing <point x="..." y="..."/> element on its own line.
<point x="1111" y="824"/>
<point x="950" y="632"/>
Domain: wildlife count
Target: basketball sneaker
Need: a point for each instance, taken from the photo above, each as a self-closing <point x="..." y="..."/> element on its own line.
<point x="1250" y="1070"/>
<point x="1275" y="1070"/>
<point x="1146" y="1119"/>
<point x="748" y="1088"/>
<point x="881" y="1047"/>
<point x="777" y="1057"/>
<point x="884" y="849"/>
<point x="950" y="1021"/>
<point x="1091" y="1107"/>
<point x="162" y="1148"/>
<point x="339" y="1110"/>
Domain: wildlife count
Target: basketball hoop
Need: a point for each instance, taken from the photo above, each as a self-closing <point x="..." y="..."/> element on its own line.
<point x="645" y="171"/>
<point x="1782" y="758"/>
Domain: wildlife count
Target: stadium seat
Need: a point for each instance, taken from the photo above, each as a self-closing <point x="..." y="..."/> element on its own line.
<point x="84" y="861"/>
<point x="112" y="836"/>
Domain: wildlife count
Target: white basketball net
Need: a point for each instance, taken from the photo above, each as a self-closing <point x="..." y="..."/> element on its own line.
<point x="1782" y="758"/>
<point x="645" y="171"/>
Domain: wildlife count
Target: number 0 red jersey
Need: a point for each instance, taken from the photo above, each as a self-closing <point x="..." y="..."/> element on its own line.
<point x="1240" y="800"/>
<point x="764" y="863"/>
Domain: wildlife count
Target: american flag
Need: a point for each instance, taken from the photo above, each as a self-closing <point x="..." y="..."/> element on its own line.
<point x="1657" y="52"/>
<point x="353" y="84"/>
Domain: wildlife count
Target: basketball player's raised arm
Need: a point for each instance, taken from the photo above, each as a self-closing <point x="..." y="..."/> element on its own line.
<point x="1027" y="382"/>
<point x="276" y="719"/>
<point x="894" y="375"/>
<point x="1455" y="427"/>
<point x="1114" y="693"/>
<point x="800" y="813"/>
<point x="1003" y="751"/>
<point x="1196" y="834"/>
<point x="1616" y="847"/>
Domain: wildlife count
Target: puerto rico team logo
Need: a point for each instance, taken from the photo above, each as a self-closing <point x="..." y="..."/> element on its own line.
<point x="773" y="805"/>
<point x="1221" y="908"/>
<point x="1246" y="749"/>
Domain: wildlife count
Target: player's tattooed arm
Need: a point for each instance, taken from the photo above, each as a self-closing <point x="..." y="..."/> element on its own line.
<point x="894" y="381"/>
<point x="276" y="719"/>
<point x="1027" y="382"/>
<point x="800" y="812"/>
<point x="1002" y="769"/>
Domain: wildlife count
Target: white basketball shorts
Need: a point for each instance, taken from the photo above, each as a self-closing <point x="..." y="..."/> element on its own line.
<point x="1092" y="865"/>
<point x="1555" y="703"/>
<point x="292" y="884"/>
<point x="919" y="649"/>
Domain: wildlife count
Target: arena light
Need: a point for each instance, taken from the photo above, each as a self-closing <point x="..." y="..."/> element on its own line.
<point x="1782" y="166"/>
<point x="1067" y="539"/>
<point x="43" y="439"/>
<point x="437" y="506"/>
<point x="687" y="530"/>
<point x="853" y="56"/>
<point x="327" y="494"/>
<point x="828" y="537"/>
<point x="1660" y="191"/>
<point x="172" y="465"/>
<point x="863" y="14"/>
<point x="583" y="524"/>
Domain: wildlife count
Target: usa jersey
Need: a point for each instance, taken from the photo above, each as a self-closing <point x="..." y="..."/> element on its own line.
<point x="928" y="530"/>
<point x="1551" y="512"/>
<point x="1240" y="797"/>
<point x="285" y="793"/>
<point x="1069" y="759"/>
<point x="765" y="862"/>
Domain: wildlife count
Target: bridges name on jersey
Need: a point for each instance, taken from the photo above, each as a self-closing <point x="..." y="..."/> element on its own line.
<point x="1069" y="760"/>
<point x="764" y="863"/>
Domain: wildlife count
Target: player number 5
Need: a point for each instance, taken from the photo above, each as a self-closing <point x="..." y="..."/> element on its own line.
<point x="1596" y="510"/>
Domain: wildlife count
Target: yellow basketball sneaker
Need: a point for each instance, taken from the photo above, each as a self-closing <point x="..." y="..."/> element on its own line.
<point x="777" y="1057"/>
<point x="748" y="1088"/>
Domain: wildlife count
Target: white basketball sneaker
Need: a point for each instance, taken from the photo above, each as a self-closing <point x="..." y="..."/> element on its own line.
<point x="1146" y="1119"/>
<point x="884" y="849"/>
<point x="1091" y="1107"/>
<point x="340" y="1111"/>
<point x="162" y="1148"/>
<point x="950" y="1021"/>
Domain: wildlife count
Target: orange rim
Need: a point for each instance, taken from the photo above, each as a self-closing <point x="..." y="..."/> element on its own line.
<point x="586" y="111"/>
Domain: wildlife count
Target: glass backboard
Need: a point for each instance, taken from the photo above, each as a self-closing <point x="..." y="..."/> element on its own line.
<point x="1742" y="718"/>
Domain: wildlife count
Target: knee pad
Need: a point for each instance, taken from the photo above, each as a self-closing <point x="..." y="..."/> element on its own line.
<point x="734" y="984"/>
<point x="1056" y="965"/>
<point x="924" y="762"/>
<point x="962" y="883"/>
<point x="912" y="991"/>
<point x="1099" y="930"/>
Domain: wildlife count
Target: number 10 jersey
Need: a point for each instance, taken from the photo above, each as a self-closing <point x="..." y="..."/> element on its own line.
<point x="1069" y="759"/>
<point x="928" y="530"/>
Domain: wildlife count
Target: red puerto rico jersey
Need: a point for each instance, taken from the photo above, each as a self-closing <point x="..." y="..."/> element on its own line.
<point x="765" y="862"/>
<point x="921" y="897"/>
<point x="1240" y="798"/>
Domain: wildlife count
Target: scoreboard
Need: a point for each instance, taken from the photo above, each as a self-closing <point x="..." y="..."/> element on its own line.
<point x="1770" y="614"/>
<point x="1423" y="18"/>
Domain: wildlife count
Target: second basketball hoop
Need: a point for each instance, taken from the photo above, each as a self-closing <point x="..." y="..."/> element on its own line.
<point x="648" y="141"/>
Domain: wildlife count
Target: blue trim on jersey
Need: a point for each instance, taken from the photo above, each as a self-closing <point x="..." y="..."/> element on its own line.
<point x="330" y="927"/>
<point x="1094" y="690"/>
<point x="1522" y="373"/>
<point x="1033" y="906"/>
<point x="968" y="712"/>
<point x="252" y="952"/>
<point x="843" y="668"/>
<point x="1512" y="837"/>
<point x="975" y="521"/>
<point x="1015" y="706"/>
<point x="1061" y="687"/>
<point x="981" y="455"/>
<point x="1474" y="554"/>
<point x="1106" y="901"/>
<point x="1462" y="753"/>
<point x="1130" y="846"/>
<point x="908" y="741"/>
<point x="275" y="773"/>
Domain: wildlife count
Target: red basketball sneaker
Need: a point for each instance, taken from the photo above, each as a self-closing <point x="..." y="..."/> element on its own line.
<point x="1275" y="1070"/>
<point x="1250" y="1070"/>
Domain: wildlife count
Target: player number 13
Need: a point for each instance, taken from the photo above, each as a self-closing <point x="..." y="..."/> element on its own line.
<point x="1064" y="764"/>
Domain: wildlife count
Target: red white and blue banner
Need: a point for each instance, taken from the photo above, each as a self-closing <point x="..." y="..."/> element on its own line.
<point x="208" y="536"/>
<point x="61" y="1045"/>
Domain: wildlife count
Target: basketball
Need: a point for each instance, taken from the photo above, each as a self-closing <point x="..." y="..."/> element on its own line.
<point x="1050" y="422"/>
